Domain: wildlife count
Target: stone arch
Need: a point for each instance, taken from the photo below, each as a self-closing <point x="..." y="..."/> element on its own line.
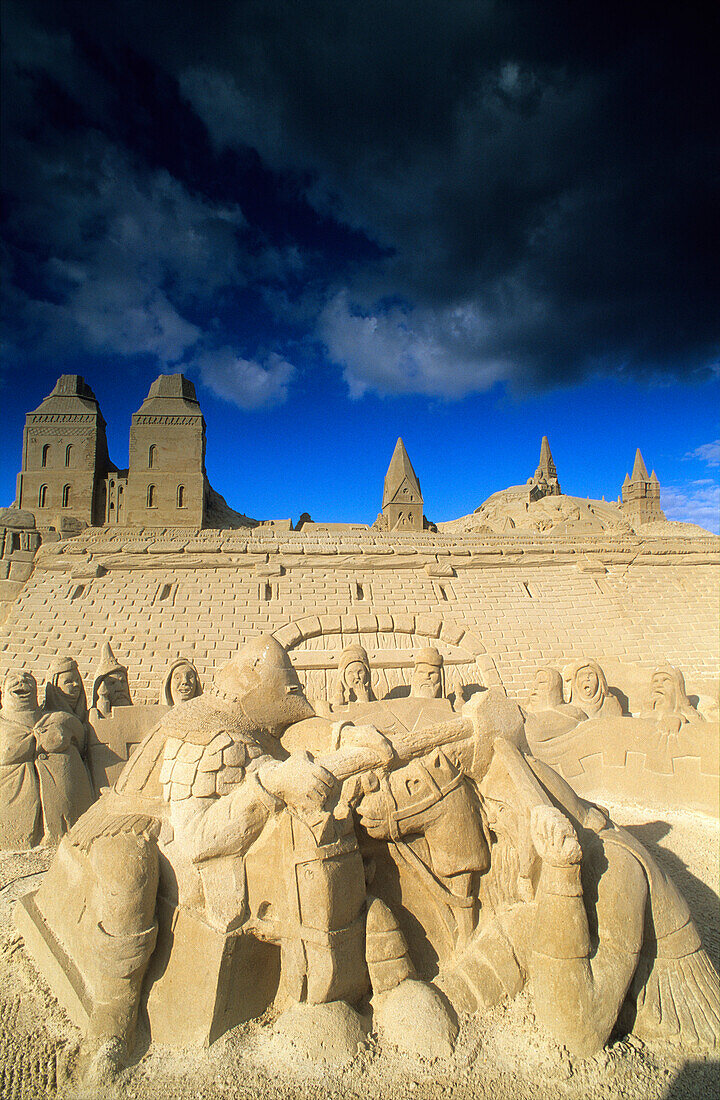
<point x="152" y="455"/>
<point x="42" y="496"/>
<point x="315" y="642"/>
<point x="151" y="497"/>
<point x="66" y="496"/>
<point x="68" y="454"/>
<point x="45" y="456"/>
<point x="181" y="496"/>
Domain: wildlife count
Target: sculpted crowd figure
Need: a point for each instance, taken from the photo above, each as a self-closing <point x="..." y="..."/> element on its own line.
<point x="585" y="686"/>
<point x="181" y="683"/>
<point x="668" y="704"/>
<point x="44" y="782"/>
<point x="111" y="688"/>
<point x="212" y="820"/>
<point x="353" y="683"/>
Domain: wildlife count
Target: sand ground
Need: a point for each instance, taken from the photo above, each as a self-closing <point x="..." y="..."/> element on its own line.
<point x="503" y="1056"/>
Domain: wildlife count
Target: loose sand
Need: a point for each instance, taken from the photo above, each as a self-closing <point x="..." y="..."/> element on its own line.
<point x="503" y="1056"/>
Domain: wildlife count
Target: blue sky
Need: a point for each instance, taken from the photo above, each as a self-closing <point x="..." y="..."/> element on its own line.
<point x="469" y="225"/>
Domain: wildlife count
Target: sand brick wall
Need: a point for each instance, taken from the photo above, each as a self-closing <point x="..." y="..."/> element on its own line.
<point x="156" y="597"/>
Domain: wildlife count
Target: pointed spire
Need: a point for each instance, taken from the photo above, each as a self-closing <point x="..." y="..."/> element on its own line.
<point x="546" y="463"/>
<point x="400" y="471"/>
<point x="639" y="469"/>
<point x="544" y="481"/>
<point x="654" y="478"/>
<point x="627" y="480"/>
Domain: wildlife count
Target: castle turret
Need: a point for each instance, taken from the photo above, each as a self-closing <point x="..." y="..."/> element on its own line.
<point x="544" y="481"/>
<point x="402" y="503"/>
<point x="640" y="494"/>
<point x="65" y="457"/>
<point x="166" y="482"/>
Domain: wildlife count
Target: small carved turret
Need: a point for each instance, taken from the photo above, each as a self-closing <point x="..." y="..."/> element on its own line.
<point x="544" y="482"/>
<point x="640" y="495"/>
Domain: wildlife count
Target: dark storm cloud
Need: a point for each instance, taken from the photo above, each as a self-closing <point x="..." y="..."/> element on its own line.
<point x="445" y="195"/>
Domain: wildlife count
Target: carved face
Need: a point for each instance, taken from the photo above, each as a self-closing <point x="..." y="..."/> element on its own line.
<point x="264" y="682"/>
<point x="546" y="690"/>
<point x="426" y="681"/>
<point x="663" y="691"/>
<point x="183" y="683"/>
<point x="357" y="676"/>
<point x="116" y="689"/>
<point x="586" y="683"/>
<point x="69" y="685"/>
<point x="19" y="691"/>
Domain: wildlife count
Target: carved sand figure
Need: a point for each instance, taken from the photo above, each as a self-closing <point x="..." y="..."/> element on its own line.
<point x="180" y="684"/>
<point x="20" y="813"/>
<point x="577" y="907"/>
<point x="586" y="688"/>
<point x="428" y="678"/>
<point x="668" y="703"/>
<point x="546" y="713"/>
<point x="259" y="847"/>
<point x="44" y="783"/>
<point x="354" y="677"/>
<point x="65" y="691"/>
<point x="110" y="688"/>
<point x="215" y="745"/>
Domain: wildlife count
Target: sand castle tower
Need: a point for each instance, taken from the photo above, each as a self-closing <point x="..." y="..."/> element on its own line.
<point x="65" y="457"/>
<point x="640" y="496"/>
<point x="166" y="482"/>
<point x="402" y="504"/>
<point x="544" y="482"/>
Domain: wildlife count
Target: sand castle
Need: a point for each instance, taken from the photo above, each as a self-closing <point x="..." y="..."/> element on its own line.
<point x="352" y="768"/>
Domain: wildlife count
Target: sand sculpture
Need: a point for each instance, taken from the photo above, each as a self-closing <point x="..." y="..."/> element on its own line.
<point x="585" y="687"/>
<point x="668" y="703"/>
<point x="181" y="683"/>
<point x="353" y="679"/>
<point x="428" y="680"/>
<point x="180" y="859"/>
<point x="111" y="688"/>
<point x="44" y="782"/>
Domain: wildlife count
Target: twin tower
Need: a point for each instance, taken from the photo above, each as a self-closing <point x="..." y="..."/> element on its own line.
<point x="67" y="479"/>
<point x="67" y="474"/>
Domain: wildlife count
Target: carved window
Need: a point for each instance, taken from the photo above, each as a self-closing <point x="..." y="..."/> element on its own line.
<point x="66" y="496"/>
<point x="45" y="460"/>
<point x="151" y="497"/>
<point x="181" y="496"/>
<point x="152" y="456"/>
<point x="68" y="453"/>
<point x="42" y="496"/>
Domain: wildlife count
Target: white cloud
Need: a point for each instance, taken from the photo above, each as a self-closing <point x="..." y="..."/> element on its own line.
<point x="693" y="502"/>
<point x="444" y="353"/>
<point x="707" y="452"/>
<point x="245" y="382"/>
